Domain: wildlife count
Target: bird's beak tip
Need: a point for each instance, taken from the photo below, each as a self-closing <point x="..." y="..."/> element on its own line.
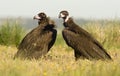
<point x="36" y="17"/>
<point x="33" y="18"/>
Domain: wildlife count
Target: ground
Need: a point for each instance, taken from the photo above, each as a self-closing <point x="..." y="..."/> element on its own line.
<point x="58" y="62"/>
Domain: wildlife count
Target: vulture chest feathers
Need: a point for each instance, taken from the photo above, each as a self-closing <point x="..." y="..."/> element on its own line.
<point x="38" y="41"/>
<point x="82" y="42"/>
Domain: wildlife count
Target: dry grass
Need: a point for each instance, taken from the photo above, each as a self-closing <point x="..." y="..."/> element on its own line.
<point x="58" y="62"/>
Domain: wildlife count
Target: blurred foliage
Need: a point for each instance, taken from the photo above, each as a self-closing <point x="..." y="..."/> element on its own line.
<point x="11" y="33"/>
<point x="106" y="32"/>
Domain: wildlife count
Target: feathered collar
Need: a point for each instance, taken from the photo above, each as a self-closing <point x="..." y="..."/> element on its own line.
<point x="68" y="21"/>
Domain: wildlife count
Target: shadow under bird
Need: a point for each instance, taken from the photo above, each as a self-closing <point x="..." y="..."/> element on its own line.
<point x="38" y="42"/>
<point x="84" y="45"/>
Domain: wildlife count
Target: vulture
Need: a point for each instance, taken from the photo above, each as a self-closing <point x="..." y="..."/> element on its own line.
<point x="85" y="46"/>
<point x="38" y="42"/>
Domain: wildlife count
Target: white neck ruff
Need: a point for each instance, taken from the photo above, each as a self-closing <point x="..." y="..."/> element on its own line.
<point x="67" y="19"/>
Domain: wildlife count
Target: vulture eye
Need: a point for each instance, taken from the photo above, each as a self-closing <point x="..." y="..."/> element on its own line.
<point x="42" y="15"/>
<point x="61" y="15"/>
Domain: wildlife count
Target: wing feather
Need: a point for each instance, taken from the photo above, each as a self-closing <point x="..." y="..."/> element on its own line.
<point x="37" y="42"/>
<point x="84" y="43"/>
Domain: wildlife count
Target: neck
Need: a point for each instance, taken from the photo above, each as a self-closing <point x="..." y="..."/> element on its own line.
<point x="66" y="19"/>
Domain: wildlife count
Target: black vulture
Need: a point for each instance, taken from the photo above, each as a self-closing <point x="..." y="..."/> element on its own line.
<point x="84" y="45"/>
<point x="38" y="42"/>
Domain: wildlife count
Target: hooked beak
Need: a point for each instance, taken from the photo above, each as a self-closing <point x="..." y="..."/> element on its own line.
<point x="36" y="17"/>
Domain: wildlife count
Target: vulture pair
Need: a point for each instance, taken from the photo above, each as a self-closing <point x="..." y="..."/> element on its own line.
<point x="39" y="41"/>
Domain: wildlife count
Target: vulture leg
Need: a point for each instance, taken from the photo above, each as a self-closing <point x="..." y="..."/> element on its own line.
<point x="78" y="55"/>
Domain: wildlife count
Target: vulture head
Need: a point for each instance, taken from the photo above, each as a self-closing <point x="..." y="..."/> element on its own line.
<point x="40" y="17"/>
<point x="64" y="15"/>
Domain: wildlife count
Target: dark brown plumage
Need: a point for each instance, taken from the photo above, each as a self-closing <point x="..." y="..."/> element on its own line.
<point x="84" y="45"/>
<point x="39" y="41"/>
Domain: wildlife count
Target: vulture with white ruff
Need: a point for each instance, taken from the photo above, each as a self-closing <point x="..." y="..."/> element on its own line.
<point x="84" y="45"/>
<point x="38" y="42"/>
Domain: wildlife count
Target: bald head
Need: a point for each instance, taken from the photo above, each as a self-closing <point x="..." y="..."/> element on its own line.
<point x="63" y="14"/>
<point x="40" y="16"/>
